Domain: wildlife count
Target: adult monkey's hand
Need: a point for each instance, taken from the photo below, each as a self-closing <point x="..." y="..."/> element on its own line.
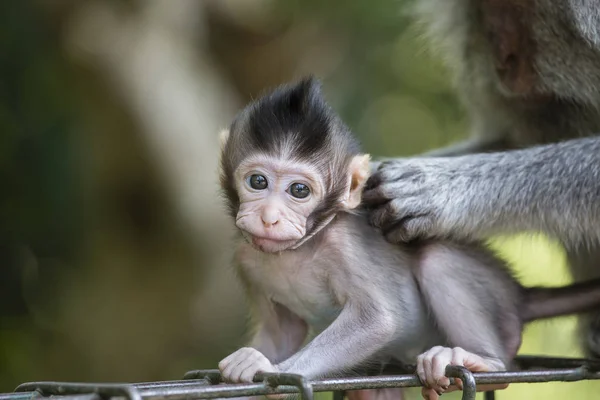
<point x="418" y="197"/>
<point x="553" y="189"/>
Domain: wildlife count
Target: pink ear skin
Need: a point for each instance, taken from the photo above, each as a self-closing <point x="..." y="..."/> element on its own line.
<point x="358" y="173"/>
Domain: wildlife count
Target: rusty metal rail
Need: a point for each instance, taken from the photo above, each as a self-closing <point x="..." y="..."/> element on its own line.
<point x="206" y="384"/>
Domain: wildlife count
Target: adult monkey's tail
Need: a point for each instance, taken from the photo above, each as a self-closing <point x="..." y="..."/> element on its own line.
<point x="543" y="302"/>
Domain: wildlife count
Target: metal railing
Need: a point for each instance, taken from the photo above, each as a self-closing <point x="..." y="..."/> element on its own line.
<point x="207" y="384"/>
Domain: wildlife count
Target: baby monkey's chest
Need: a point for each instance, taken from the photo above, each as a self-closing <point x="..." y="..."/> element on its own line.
<point x="301" y="287"/>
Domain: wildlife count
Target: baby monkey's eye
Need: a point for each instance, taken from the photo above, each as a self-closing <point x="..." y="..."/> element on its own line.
<point x="299" y="190"/>
<point x="258" y="182"/>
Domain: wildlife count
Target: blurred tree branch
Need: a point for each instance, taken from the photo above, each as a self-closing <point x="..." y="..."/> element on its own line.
<point x="154" y="63"/>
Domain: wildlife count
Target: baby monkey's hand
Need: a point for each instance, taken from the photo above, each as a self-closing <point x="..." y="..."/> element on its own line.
<point x="431" y="368"/>
<point x="241" y="366"/>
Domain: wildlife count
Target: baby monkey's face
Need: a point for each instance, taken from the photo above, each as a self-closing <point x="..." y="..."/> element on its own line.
<point x="276" y="198"/>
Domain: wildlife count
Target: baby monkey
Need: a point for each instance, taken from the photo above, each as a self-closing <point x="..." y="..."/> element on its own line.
<point x="293" y="175"/>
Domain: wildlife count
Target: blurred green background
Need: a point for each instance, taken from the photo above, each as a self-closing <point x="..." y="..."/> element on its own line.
<point x="114" y="243"/>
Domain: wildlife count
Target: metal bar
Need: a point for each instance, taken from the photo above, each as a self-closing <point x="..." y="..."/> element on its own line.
<point x="156" y="389"/>
<point x="168" y="384"/>
<point x="275" y="380"/>
<point x="205" y="384"/>
<point x="104" y="390"/>
<point x="18" y="396"/>
<point x="199" y="389"/>
<point x="557" y="375"/>
<point x="372" y="382"/>
<point x="172" y="389"/>
<point x="467" y="379"/>
<point x="526" y="362"/>
<point x="39" y="396"/>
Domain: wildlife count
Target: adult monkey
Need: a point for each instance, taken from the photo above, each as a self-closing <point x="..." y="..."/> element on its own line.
<point x="528" y="72"/>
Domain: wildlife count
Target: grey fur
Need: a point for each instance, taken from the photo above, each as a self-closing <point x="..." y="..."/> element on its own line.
<point x="551" y="188"/>
<point x="555" y="188"/>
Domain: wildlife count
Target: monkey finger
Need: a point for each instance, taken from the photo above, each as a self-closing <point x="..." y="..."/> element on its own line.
<point x="373" y="181"/>
<point x="227" y="371"/>
<point x="382" y="216"/>
<point x="230" y="358"/>
<point x="226" y="374"/>
<point x="233" y="372"/>
<point x="395" y="233"/>
<point x="247" y="375"/>
<point x="475" y="363"/>
<point x="385" y="172"/>
<point x="226" y="361"/>
<point x="397" y="170"/>
<point x="438" y="368"/>
<point x="247" y="368"/>
<point x="458" y="383"/>
<point x="393" y="215"/>
<point x="261" y="364"/>
<point x="373" y="198"/>
<point x="428" y="366"/>
<point x="429" y="394"/>
<point x="378" y="195"/>
<point x="230" y="372"/>
<point x="255" y="362"/>
<point x="399" y="210"/>
<point x="451" y="389"/>
<point x="421" y="370"/>
<point x="407" y="229"/>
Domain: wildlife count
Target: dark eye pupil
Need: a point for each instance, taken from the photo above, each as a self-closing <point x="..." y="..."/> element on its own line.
<point x="299" y="190"/>
<point x="258" y="182"/>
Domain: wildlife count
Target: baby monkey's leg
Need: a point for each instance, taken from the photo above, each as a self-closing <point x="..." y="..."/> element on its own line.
<point x="471" y="299"/>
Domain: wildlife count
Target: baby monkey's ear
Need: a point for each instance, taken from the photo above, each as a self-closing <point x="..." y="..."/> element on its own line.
<point x="223" y="136"/>
<point x="358" y="173"/>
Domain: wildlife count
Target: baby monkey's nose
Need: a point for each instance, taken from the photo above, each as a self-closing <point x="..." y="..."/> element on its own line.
<point x="269" y="217"/>
<point x="269" y="224"/>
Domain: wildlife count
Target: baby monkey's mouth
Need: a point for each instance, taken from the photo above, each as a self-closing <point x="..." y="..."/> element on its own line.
<point x="268" y="245"/>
